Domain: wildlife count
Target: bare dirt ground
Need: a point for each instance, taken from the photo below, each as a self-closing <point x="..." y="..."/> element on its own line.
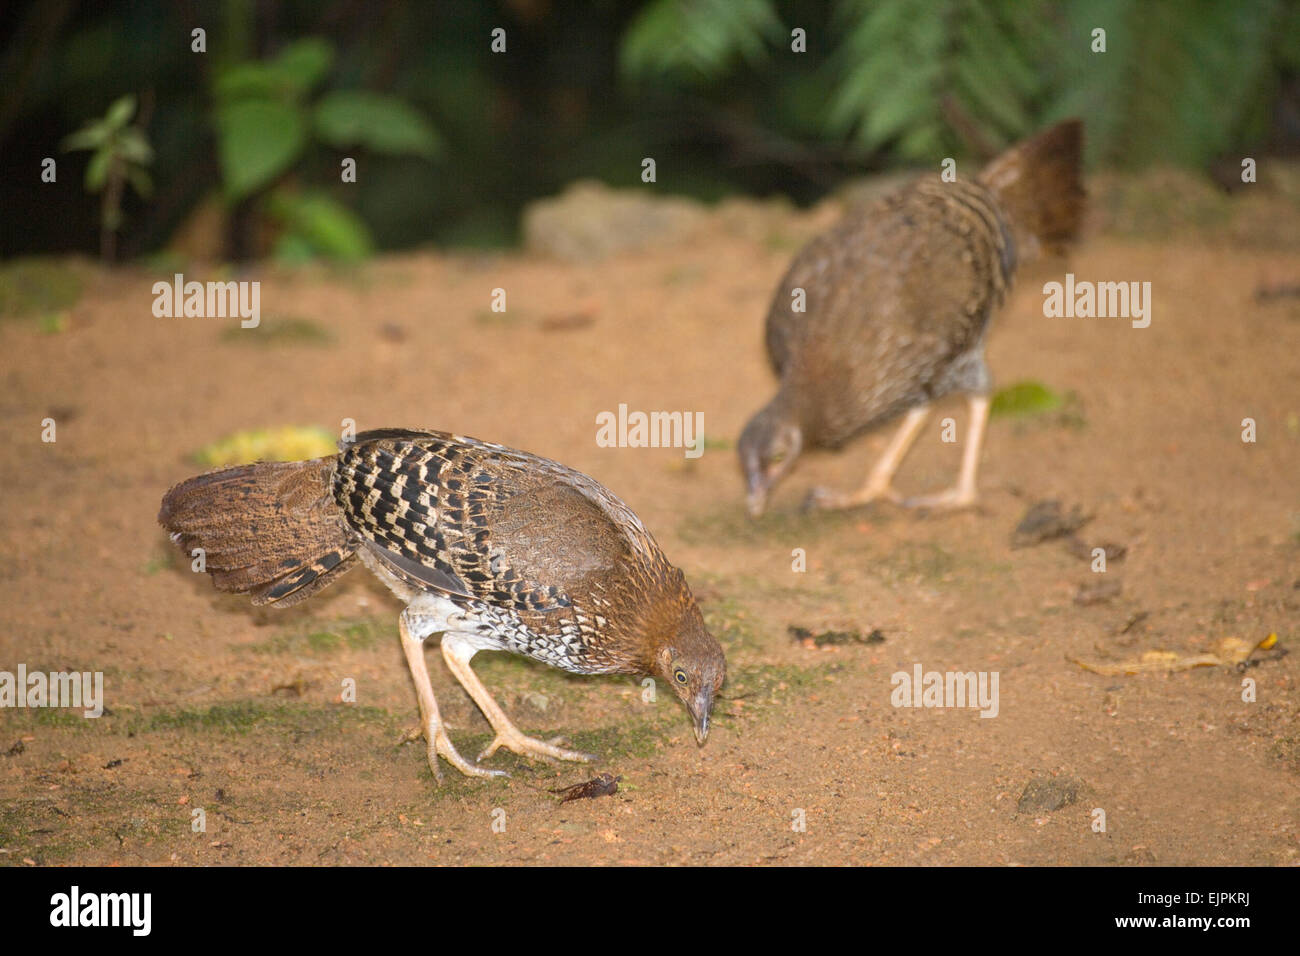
<point x="218" y="706"/>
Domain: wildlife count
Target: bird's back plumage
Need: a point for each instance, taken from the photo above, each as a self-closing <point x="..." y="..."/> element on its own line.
<point x="898" y="295"/>
<point x="888" y="311"/>
<point x="895" y="294"/>
<point x="493" y="529"/>
<point x="478" y="520"/>
<point x="543" y="560"/>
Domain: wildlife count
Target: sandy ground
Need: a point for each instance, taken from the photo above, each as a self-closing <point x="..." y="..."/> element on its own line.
<point x="215" y="705"/>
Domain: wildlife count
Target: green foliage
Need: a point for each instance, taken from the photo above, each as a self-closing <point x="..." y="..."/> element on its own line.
<point x="265" y="122"/>
<point x="381" y="123"/>
<point x="1024" y="398"/>
<point x="257" y="141"/>
<point x="53" y="323"/>
<point x="111" y="140"/>
<point x="119" y="154"/>
<point x="919" y="75"/>
<point x="302" y="65"/>
<point x="261" y="117"/>
<point x="288" y="77"/>
<point x="1180" y="81"/>
<point x="1029" y="400"/>
<point x="712" y="83"/>
<point x="1288" y="37"/>
<point x="695" y="40"/>
<point x="316" y="225"/>
<point x="38" y="286"/>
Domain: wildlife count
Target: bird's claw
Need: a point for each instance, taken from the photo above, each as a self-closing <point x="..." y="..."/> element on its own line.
<point x="531" y="747"/>
<point x="441" y="746"/>
<point x="826" y="499"/>
<point x="954" y="499"/>
<point x="823" y="499"/>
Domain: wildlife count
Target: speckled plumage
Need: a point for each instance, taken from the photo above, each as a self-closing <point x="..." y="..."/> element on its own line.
<point x="493" y="548"/>
<point x="896" y="303"/>
<point x="533" y="551"/>
<point x="898" y="300"/>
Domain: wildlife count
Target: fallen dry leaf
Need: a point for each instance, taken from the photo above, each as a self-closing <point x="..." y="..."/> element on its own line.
<point x="1228" y="652"/>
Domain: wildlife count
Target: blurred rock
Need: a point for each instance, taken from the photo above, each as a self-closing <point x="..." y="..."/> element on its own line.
<point x="536" y="702"/>
<point x="1045" y="793"/>
<point x="590" y="221"/>
<point x="1046" y="520"/>
<point x="1098" y="592"/>
<point x="1170" y="203"/>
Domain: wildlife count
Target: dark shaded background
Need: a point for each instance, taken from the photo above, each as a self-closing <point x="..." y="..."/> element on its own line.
<point x="586" y="89"/>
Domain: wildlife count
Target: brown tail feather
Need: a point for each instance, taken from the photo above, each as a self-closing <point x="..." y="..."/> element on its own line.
<point x="270" y="529"/>
<point x="1038" y="185"/>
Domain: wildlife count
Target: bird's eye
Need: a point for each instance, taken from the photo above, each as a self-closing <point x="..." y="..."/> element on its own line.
<point x="679" y="675"/>
<point x="777" y="457"/>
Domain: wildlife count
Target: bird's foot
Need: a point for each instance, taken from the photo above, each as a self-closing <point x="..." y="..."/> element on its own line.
<point x="441" y="746"/>
<point x="953" y="499"/>
<point x="516" y="742"/>
<point x="826" y="499"/>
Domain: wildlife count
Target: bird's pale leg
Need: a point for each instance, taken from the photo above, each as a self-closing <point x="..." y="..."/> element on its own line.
<point x="435" y="732"/>
<point x="457" y="653"/>
<point x="963" y="495"/>
<point x="880" y="481"/>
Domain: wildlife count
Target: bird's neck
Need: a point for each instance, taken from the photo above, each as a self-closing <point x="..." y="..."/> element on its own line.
<point x="787" y="407"/>
<point x="658" y="620"/>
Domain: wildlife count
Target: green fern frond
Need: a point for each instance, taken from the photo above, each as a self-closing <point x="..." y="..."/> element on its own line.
<point x="1176" y="79"/>
<point x="910" y="72"/>
<point x="696" y="40"/>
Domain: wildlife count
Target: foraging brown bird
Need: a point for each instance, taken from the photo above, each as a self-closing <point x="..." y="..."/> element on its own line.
<point x="493" y="548"/>
<point x="898" y="300"/>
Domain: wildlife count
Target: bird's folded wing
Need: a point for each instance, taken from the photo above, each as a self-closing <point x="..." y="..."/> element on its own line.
<point x="910" y="281"/>
<point x="474" y="519"/>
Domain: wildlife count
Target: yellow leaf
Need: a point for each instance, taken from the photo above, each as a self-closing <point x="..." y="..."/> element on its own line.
<point x="283" y="443"/>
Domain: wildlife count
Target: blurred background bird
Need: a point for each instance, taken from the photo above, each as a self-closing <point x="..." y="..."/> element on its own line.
<point x="493" y="548"/>
<point x="887" y="312"/>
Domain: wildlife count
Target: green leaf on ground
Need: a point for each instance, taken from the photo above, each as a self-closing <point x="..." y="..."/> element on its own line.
<point x="1023" y="399"/>
<point x="38" y="285"/>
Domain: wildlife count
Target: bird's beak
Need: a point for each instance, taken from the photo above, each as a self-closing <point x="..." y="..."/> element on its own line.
<point x="757" y="485"/>
<point x="701" y="708"/>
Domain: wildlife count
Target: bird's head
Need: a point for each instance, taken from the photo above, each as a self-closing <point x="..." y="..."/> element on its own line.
<point x="690" y="661"/>
<point x="768" y="448"/>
